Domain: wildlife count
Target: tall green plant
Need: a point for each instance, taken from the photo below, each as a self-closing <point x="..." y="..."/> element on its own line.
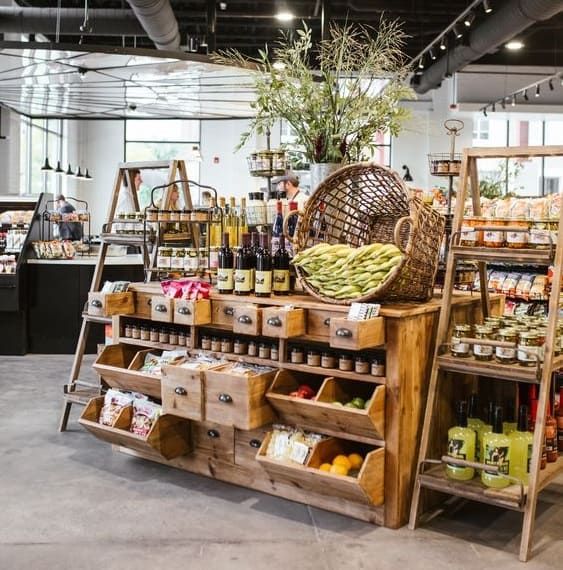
<point x="336" y="95"/>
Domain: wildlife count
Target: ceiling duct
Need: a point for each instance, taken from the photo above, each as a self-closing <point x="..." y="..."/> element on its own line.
<point x="159" y="22"/>
<point x="18" y="20"/>
<point x="497" y="29"/>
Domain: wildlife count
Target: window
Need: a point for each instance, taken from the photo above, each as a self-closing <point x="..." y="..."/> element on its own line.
<point x="148" y="140"/>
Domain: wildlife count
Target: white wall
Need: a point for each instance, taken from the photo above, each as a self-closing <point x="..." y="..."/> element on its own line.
<point x="10" y="153"/>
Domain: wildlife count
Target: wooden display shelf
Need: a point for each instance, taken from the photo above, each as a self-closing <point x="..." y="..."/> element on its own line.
<point x="96" y="319"/>
<point x="503" y="254"/>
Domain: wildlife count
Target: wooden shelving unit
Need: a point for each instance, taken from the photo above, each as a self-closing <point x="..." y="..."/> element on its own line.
<point x="439" y="402"/>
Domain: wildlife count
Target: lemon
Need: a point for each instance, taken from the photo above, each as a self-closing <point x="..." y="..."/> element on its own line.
<point x="342" y="460"/>
<point x="325" y="467"/>
<point x="355" y="460"/>
<point x="339" y="469"/>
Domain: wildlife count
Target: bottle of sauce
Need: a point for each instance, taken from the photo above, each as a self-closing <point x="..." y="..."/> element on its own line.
<point x="551" y="438"/>
<point x="225" y="271"/>
<point x="461" y="445"/>
<point x="244" y="264"/>
<point x="281" y="269"/>
<point x="496" y="451"/>
<point x="521" y="442"/>
<point x="533" y="415"/>
<point x="263" y="279"/>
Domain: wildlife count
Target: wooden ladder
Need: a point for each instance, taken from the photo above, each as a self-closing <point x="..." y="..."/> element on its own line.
<point x="438" y="416"/>
<point x="78" y="391"/>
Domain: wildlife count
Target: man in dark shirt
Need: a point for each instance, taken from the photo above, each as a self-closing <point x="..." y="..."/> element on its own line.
<point x="68" y="230"/>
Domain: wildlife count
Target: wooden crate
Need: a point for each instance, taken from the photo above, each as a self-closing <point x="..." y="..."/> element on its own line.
<point x="215" y="440"/>
<point x="357" y="335"/>
<point x="109" y="304"/>
<point x="192" y="312"/>
<point x="282" y="322"/>
<point x="247" y="319"/>
<point x="183" y="392"/>
<point x="169" y="436"/>
<point x="162" y="309"/>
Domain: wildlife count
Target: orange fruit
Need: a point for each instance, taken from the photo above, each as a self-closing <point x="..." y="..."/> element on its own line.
<point x="325" y="467"/>
<point x="355" y="460"/>
<point x="338" y="469"/>
<point x="342" y="460"/>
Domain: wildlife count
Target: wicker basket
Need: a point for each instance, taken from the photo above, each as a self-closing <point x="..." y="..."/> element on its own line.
<point x="366" y="203"/>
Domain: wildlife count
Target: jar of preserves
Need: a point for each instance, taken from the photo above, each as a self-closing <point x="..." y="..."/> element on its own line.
<point x="226" y="345"/>
<point x="132" y="216"/>
<point x="506" y="355"/>
<point x="252" y="348"/>
<point x="541" y="331"/>
<point x="274" y="352"/>
<point x="458" y="348"/>
<point x="173" y="336"/>
<point x="206" y="342"/>
<point x="361" y="365"/>
<point x="164" y="215"/>
<point x="128" y="331"/>
<point x="164" y="258"/>
<point x="154" y="334"/>
<point x="328" y="360"/>
<point x="493" y="237"/>
<point x="313" y="358"/>
<point x="264" y="350"/>
<point x="188" y="341"/>
<point x="177" y="258"/>
<point x="213" y="258"/>
<point x="152" y="215"/>
<point x="181" y="338"/>
<point x="345" y="362"/>
<point x="191" y="261"/>
<point x="494" y="323"/>
<point x="517" y="239"/>
<point x="483" y="351"/>
<point x="539" y="237"/>
<point x="377" y="368"/>
<point x="135" y="331"/>
<point x="145" y="333"/>
<point x="215" y="344"/>
<point x="163" y="336"/>
<point x="240" y="346"/>
<point x="297" y="355"/>
<point x="468" y="235"/>
<point x="203" y="261"/>
<point x="528" y="348"/>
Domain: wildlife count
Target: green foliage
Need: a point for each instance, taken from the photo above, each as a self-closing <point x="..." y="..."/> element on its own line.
<point x="495" y="185"/>
<point x="331" y="95"/>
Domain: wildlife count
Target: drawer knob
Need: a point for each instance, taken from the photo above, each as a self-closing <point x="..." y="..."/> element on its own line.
<point x="256" y="443"/>
<point x="161" y="308"/>
<point x="225" y="398"/>
<point x="213" y="433"/>
<point x="274" y="322"/>
<point x="326" y="322"/>
<point x="244" y="319"/>
<point x="97" y="304"/>
<point x="346" y="333"/>
<point x="149" y="302"/>
<point x="180" y="391"/>
<point x="184" y="311"/>
<point x="229" y="311"/>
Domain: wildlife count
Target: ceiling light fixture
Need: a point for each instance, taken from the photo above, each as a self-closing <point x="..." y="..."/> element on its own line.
<point x="69" y="171"/>
<point x="46" y="166"/>
<point x="457" y="32"/>
<point x="284" y="16"/>
<point x="79" y="174"/>
<point x="443" y="44"/>
<point x="432" y="54"/>
<point x="494" y="108"/>
<point x="503" y="103"/>
<point x="59" y="170"/>
<point x="421" y="63"/>
<point x="514" y="45"/>
<point x="513" y="103"/>
<point x="487" y="7"/>
<point x="485" y="111"/>
<point x="87" y="176"/>
<point x="468" y="20"/>
<point x="537" y="93"/>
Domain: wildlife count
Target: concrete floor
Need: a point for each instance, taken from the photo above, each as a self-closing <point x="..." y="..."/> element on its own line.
<point x="68" y="502"/>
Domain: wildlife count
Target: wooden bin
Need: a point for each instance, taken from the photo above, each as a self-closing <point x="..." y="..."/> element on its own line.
<point x="162" y="309"/>
<point x="192" y="312"/>
<point x="320" y="413"/>
<point x="222" y="313"/>
<point x="169" y="435"/>
<point x="143" y="303"/>
<point x="238" y="401"/>
<point x="367" y="487"/>
<point x="109" y="304"/>
<point x="283" y="322"/>
<point x="247" y="319"/>
<point x="357" y="335"/>
<point x="119" y="365"/>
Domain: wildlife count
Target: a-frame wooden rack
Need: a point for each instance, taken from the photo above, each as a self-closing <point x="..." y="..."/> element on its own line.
<point x="77" y="391"/>
<point x="438" y="416"/>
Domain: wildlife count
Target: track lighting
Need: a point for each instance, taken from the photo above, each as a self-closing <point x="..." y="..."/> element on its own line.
<point x="487" y="7"/>
<point x="46" y="166"/>
<point x="503" y="103"/>
<point x="87" y="176"/>
<point x="421" y="63"/>
<point x="468" y="20"/>
<point x="443" y="44"/>
<point x="432" y="54"/>
<point x="457" y="32"/>
<point x="513" y="102"/>
<point x="537" y="93"/>
<point x="494" y="108"/>
<point x="485" y="111"/>
<point x="79" y="174"/>
<point x="526" y="98"/>
<point x="59" y="170"/>
<point x="551" y="85"/>
<point x="69" y="171"/>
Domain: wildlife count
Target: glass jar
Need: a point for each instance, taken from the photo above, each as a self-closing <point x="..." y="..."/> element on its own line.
<point x="188" y="341"/>
<point x="177" y="258"/>
<point x="181" y="338"/>
<point x="145" y="333"/>
<point x="240" y="346"/>
<point x="164" y="258"/>
<point x="252" y="348"/>
<point x="345" y="362"/>
<point x="506" y="355"/>
<point x="539" y="237"/>
<point x="493" y="237"/>
<point x="152" y="215"/>
<point x="377" y="368"/>
<point x="297" y="355"/>
<point x="313" y="358"/>
<point x="528" y="348"/>
<point x="163" y="336"/>
<point x="518" y="240"/>
<point x="468" y="235"/>
<point x="361" y="365"/>
<point x="215" y="344"/>
<point x="483" y="352"/>
<point x="328" y="360"/>
<point x="191" y="261"/>
<point x="135" y="331"/>
<point x="274" y="352"/>
<point x="203" y="262"/>
<point x="128" y="332"/>
<point x="541" y="331"/>
<point x="164" y="215"/>
<point x="206" y="342"/>
<point x="185" y="216"/>
<point x="173" y="337"/>
<point x="174" y="215"/>
<point x="226" y="345"/>
<point x="154" y="334"/>
<point x="264" y="350"/>
<point x="132" y="216"/>
<point x="458" y="348"/>
<point x="494" y="323"/>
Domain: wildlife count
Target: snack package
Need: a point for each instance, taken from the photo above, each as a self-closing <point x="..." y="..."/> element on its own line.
<point x="145" y="414"/>
<point x="524" y="285"/>
<point x="509" y="307"/>
<point x="538" y="209"/>
<point x="114" y="402"/>
<point x="153" y="362"/>
<point x="245" y="369"/>
<point x="189" y="289"/>
<point x="510" y="283"/>
<point x="520" y="208"/>
<point x="539" y="288"/>
<point x="496" y="280"/>
<point x="201" y="362"/>
<point x="291" y="444"/>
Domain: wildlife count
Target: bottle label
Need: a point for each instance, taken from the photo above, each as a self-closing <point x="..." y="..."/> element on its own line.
<point x="213" y="259"/>
<point x="243" y="280"/>
<point x="516" y="237"/>
<point x="482" y="350"/>
<point x="539" y="237"/>
<point x="497" y="455"/>
<point x="457" y="448"/>
<point x="163" y="262"/>
<point x="263" y="282"/>
<point x="275" y="245"/>
<point x="505" y="352"/>
<point x="177" y="263"/>
<point x="225" y="279"/>
<point x="468" y="234"/>
<point x="281" y="279"/>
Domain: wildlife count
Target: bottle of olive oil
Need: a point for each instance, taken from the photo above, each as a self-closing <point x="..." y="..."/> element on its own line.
<point x="496" y="451"/>
<point x="473" y="420"/>
<point x="509" y="424"/>
<point x="521" y="442"/>
<point x="461" y="445"/>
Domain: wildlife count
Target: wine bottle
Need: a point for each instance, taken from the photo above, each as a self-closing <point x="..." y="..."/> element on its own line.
<point x="509" y="424"/>
<point x="496" y="451"/>
<point x="244" y="262"/>
<point x="551" y="438"/>
<point x="461" y="445"/>
<point x="225" y="280"/>
<point x="560" y="421"/>
<point x="474" y="422"/>
<point x="242" y="220"/>
<point x="532" y="427"/>
<point x="291" y="225"/>
<point x="486" y="428"/>
<point x="263" y="284"/>
<point x="281" y="269"/>
<point x="277" y="228"/>
<point x="521" y="442"/>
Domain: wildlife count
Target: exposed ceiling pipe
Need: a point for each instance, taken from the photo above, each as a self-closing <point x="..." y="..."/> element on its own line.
<point x="158" y="20"/>
<point x="18" y="20"/>
<point x="497" y="29"/>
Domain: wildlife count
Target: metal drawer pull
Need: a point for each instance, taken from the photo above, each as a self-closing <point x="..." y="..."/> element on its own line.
<point x="326" y="322"/>
<point x="97" y="304"/>
<point x="274" y="322"/>
<point x="161" y="308"/>
<point x="244" y="319"/>
<point x="256" y="443"/>
<point x="347" y="333"/>
<point x="180" y="391"/>
<point x="229" y="311"/>
<point x="149" y="302"/>
<point x="184" y="311"/>
<point x="225" y="398"/>
<point x="213" y="433"/>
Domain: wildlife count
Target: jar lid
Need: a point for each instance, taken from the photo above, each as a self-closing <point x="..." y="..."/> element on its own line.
<point x="529" y="335"/>
<point x="345" y="357"/>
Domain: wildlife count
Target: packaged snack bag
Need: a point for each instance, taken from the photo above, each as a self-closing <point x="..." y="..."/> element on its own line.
<point x="145" y="414"/>
<point x="114" y="402"/>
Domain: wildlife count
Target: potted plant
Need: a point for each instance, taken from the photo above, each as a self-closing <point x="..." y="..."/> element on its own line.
<point x="336" y="95"/>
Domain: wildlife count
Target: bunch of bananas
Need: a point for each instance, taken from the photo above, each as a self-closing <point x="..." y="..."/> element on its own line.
<point x="343" y="272"/>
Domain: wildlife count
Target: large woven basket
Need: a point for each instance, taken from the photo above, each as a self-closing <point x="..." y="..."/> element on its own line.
<point x="366" y="203"/>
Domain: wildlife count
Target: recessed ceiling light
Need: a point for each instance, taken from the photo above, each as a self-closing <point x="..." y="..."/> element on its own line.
<point x="514" y="45"/>
<point x="284" y="16"/>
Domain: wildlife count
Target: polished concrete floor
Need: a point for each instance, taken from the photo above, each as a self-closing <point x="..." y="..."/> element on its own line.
<point x="68" y="502"/>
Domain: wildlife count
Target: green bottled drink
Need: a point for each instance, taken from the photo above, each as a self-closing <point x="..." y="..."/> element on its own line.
<point x="473" y="420"/>
<point x="521" y="441"/>
<point x="496" y="451"/>
<point x="461" y="445"/>
<point x="509" y="424"/>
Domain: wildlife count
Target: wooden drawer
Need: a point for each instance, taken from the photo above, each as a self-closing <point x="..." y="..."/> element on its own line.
<point x="367" y="487"/>
<point x="357" y="335"/>
<point x="119" y="364"/>
<point x="318" y="322"/>
<point x="222" y="312"/>
<point x="282" y="322"/>
<point x="183" y="392"/>
<point x="237" y="401"/>
<point x="143" y="302"/>
<point x="247" y="444"/>
<point x="321" y="413"/>
<point x="169" y="436"/>
<point x="192" y="312"/>
<point x="108" y="304"/>
<point x="217" y="441"/>
<point x="247" y="319"/>
<point x="162" y="309"/>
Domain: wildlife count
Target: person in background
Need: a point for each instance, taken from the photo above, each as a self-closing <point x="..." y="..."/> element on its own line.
<point x="290" y="184"/>
<point x="68" y="230"/>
